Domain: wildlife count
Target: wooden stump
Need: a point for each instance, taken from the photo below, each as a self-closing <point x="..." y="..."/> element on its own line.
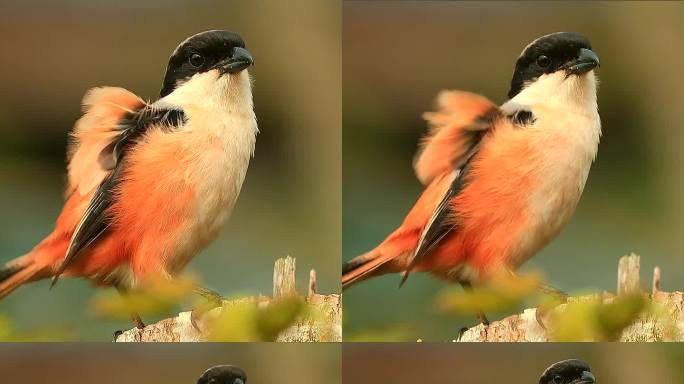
<point x="323" y="323"/>
<point x="665" y="325"/>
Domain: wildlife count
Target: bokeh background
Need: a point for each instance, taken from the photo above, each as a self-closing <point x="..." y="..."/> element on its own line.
<point x="264" y="363"/>
<point x="52" y="52"/>
<point x="508" y="363"/>
<point x="399" y="55"/>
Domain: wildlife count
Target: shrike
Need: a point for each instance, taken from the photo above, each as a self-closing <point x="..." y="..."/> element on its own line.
<point x="150" y="184"/>
<point x="500" y="181"/>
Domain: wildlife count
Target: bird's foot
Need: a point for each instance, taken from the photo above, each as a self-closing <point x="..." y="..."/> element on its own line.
<point x="214" y="300"/>
<point x="483" y="321"/>
<point x="116" y="335"/>
<point x="546" y="308"/>
<point x="462" y="332"/>
<point x="198" y="313"/>
<point x="539" y="316"/>
<point x="137" y="322"/>
<point x="482" y="318"/>
<point x="555" y="293"/>
<point x="558" y="297"/>
<point x="135" y="318"/>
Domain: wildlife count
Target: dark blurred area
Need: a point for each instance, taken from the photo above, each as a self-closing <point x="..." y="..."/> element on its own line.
<point x="508" y="363"/>
<point x="52" y="52"/>
<point x="67" y="363"/>
<point x="399" y="55"/>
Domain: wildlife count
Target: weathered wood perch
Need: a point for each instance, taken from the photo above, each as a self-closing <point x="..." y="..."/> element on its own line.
<point x="323" y="325"/>
<point x="668" y="326"/>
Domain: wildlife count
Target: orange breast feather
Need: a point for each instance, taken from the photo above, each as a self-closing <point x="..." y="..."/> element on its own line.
<point x="158" y="202"/>
<point x="492" y="210"/>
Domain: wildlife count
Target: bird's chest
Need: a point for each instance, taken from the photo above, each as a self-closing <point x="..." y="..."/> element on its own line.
<point x="564" y="152"/>
<point x="217" y="176"/>
<point x="218" y="170"/>
<point x="220" y="151"/>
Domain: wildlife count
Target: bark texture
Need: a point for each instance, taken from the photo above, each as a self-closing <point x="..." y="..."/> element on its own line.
<point x="666" y="324"/>
<point x="322" y="324"/>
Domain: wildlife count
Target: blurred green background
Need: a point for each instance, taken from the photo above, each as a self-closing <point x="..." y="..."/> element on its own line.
<point x="399" y="55"/>
<point x="52" y="52"/>
<point x="67" y="363"/>
<point x="508" y="363"/>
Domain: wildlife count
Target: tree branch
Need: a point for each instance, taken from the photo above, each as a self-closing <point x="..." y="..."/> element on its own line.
<point x="664" y="324"/>
<point x="323" y="323"/>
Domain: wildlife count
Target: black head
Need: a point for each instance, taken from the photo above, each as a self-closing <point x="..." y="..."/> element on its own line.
<point x="562" y="51"/>
<point x="568" y="372"/>
<point x="223" y="374"/>
<point x="220" y="50"/>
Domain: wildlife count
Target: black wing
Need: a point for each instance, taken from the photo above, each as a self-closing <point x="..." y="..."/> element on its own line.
<point x="441" y="222"/>
<point x="96" y="220"/>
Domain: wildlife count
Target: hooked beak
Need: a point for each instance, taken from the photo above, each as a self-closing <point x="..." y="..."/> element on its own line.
<point x="239" y="60"/>
<point x="587" y="377"/>
<point x="585" y="62"/>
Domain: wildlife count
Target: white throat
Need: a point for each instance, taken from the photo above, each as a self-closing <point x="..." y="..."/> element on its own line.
<point x="563" y="107"/>
<point x="558" y="91"/>
<point x="210" y="88"/>
<point x="564" y="110"/>
<point x="218" y="105"/>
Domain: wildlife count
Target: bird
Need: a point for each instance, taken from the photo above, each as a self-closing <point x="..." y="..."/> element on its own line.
<point x="570" y="371"/>
<point x="149" y="184"/>
<point x="500" y="181"/>
<point x="223" y="374"/>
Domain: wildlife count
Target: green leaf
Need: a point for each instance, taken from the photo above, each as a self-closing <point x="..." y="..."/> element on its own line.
<point x="503" y="293"/>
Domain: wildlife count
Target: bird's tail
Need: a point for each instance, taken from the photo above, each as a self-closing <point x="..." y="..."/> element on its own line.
<point x="363" y="267"/>
<point x="20" y="271"/>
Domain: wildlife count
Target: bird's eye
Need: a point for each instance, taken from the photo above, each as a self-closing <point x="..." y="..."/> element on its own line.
<point x="543" y="61"/>
<point x="557" y="380"/>
<point x="196" y="60"/>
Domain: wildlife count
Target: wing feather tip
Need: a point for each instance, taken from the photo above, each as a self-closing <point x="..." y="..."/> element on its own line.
<point x="456" y="112"/>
